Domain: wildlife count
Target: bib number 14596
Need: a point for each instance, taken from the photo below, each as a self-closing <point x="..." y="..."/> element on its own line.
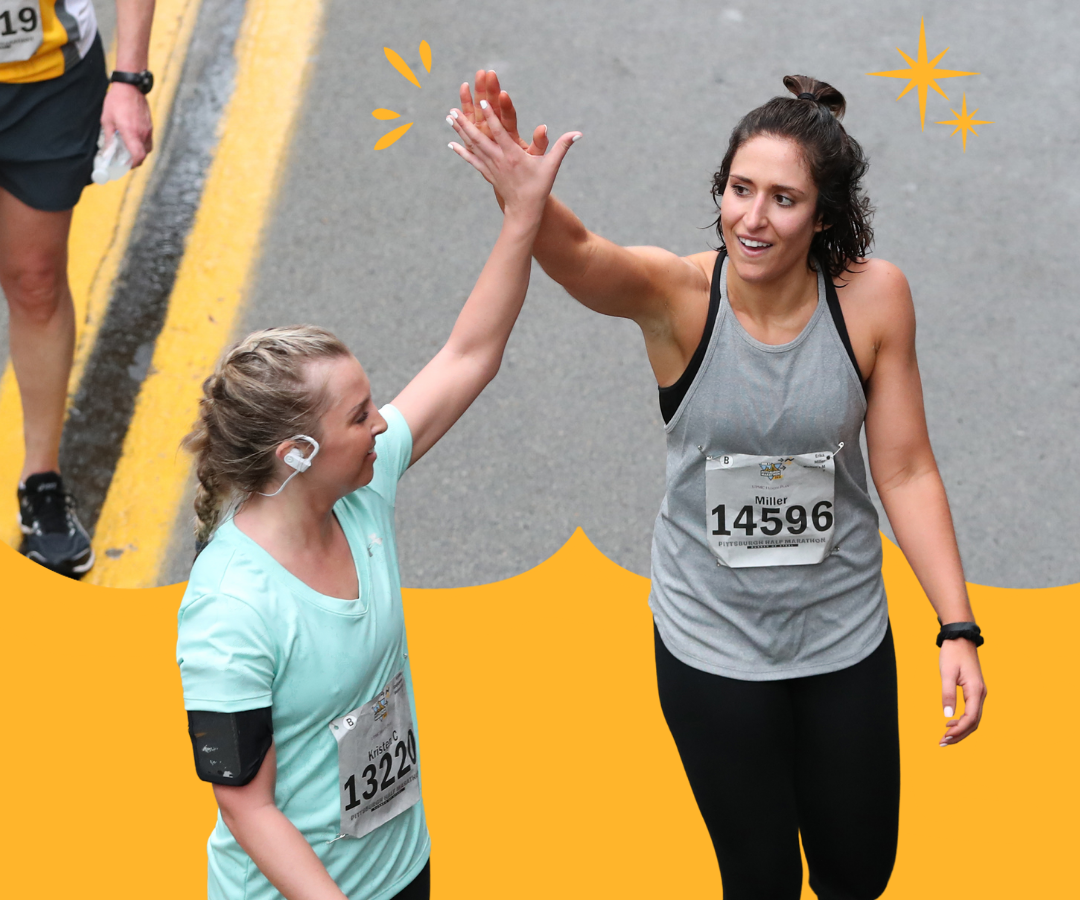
<point x="794" y="519"/>
<point x="770" y="510"/>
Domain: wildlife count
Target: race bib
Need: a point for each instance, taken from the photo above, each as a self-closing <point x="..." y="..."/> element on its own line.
<point x="20" y="30"/>
<point x="769" y="510"/>
<point x="377" y="762"/>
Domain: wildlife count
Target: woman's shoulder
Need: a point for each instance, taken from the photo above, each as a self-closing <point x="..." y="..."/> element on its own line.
<point x="871" y="276"/>
<point x="704" y="261"/>
<point x="877" y="309"/>
<point x="876" y="291"/>
<point x="226" y="576"/>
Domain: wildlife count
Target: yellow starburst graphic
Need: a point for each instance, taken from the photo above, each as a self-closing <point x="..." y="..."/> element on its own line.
<point x="403" y="68"/>
<point x="964" y="121"/>
<point x="922" y="73"/>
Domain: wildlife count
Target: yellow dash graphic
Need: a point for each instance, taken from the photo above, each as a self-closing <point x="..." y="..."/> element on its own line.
<point x="403" y="67"/>
<point x="922" y="73"/>
<point x="387" y="139"/>
<point x="964" y="121"/>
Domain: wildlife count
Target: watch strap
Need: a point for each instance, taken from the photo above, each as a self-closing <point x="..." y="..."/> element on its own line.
<point x="955" y="630"/>
<point x="142" y="81"/>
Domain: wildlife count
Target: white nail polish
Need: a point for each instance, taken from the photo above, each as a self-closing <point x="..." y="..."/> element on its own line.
<point x="948" y="712"/>
<point x="453" y="112"/>
<point x="449" y="121"/>
<point x="545" y="129"/>
<point x="943" y="744"/>
<point x="451" y="146"/>
<point x="483" y="104"/>
<point x="575" y="138"/>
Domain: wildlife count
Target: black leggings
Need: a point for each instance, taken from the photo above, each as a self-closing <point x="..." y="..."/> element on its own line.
<point x="419" y="888"/>
<point x="767" y="760"/>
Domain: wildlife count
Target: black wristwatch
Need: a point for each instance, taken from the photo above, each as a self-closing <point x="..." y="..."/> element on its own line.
<point x="955" y="630"/>
<point x="142" y="81"/>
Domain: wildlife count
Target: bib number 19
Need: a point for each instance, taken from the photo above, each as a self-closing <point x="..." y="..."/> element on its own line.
<point x="27" y="21"/>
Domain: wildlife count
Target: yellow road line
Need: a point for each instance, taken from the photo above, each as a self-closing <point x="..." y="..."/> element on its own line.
<point x="276" y="41"/>
<point x="100" y="229"/>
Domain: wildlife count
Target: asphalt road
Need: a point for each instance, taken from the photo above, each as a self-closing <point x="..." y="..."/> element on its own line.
<point x="383" y="246"/>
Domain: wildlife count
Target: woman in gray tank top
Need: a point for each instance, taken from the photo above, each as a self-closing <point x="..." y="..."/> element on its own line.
<point x="774" y="657"/>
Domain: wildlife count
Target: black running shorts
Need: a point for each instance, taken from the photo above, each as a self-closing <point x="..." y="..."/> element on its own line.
<point x="49" y="131"/>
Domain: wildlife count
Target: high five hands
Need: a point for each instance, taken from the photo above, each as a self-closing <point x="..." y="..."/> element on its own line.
<point x="521" y="175"/>
<point x="487" y="89"/>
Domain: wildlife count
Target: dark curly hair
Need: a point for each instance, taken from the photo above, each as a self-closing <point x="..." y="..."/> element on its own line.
<point x="834" y="158"/>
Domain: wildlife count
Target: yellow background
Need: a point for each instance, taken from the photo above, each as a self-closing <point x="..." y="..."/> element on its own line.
<point x="549" y="675"/>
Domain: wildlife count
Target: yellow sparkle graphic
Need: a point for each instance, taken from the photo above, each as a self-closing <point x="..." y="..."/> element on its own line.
<point x="964" y="121"/>
<point x="403" y="68"/>
<point x="922" y="73"/>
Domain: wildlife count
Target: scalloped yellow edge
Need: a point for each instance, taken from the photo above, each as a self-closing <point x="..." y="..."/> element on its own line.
<point x="545" y="751"/>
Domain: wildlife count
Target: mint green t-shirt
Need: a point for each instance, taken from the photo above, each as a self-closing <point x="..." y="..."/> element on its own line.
<point x="253" y="635"/>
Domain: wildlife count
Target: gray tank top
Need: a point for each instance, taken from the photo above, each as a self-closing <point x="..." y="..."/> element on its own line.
<point x="769" y="622"/>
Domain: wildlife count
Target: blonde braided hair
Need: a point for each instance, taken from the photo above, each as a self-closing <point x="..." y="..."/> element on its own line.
<point x="256" y="398"/>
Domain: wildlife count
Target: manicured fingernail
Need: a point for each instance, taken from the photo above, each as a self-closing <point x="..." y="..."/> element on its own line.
<point x="483" y="104"/>
<point x="449" y="121"/>
<point x="453" y="112"/>
<point x="545" y="129"/>
<point x="948" y="712"/>
<point x="943" y="744"/>
<point x="451" y="146"/>
<point x="575" y="138"/>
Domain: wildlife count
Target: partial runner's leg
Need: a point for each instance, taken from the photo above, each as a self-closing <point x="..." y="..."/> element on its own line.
<point x="848" y="775"/>
<point x="735" y="739"/>
<point x="41" y="325"/>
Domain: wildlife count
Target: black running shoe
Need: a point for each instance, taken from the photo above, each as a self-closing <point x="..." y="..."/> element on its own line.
<point x="55" y="537"/>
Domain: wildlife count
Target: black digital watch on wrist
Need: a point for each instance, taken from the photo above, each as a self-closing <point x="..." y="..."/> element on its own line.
<point x="142" y="81"/>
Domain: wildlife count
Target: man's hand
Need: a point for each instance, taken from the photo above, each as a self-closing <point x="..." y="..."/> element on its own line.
<point x="127" y="112"/>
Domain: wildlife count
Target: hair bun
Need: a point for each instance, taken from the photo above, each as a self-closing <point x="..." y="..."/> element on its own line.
<point x="806" y="88"/>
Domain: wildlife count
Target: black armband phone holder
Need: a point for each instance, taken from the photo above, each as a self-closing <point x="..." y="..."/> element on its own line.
<point x="230" y="747"/>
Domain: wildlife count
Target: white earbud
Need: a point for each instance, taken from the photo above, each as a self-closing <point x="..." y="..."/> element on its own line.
<point x="296" y="460"/>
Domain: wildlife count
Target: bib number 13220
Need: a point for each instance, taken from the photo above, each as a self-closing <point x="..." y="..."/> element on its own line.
<point x="392" y="767"/>
<point x="378" y="767"/>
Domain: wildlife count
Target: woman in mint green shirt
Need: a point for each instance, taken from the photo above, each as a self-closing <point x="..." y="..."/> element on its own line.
<point x="291" y="643"/>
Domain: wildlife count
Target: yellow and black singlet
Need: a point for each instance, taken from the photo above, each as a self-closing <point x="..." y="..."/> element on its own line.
<point x="42" y="39"/>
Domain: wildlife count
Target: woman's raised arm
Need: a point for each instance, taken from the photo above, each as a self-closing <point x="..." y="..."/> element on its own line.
<point x="447" y="385"/>
<point x="650" y="285"/>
